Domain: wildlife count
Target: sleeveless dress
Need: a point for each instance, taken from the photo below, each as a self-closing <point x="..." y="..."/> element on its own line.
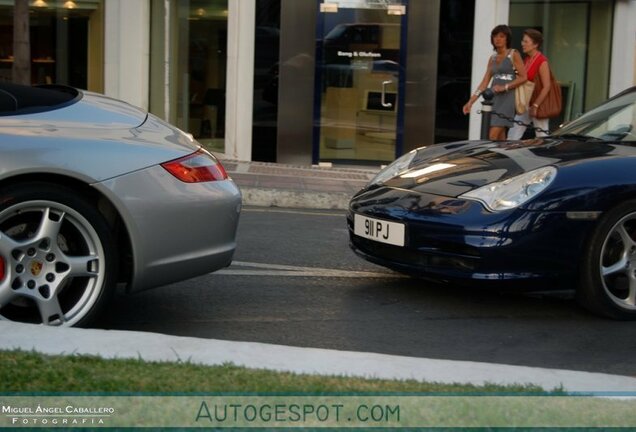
<point x="533" y="64"/>
<point x="503" y="103"/>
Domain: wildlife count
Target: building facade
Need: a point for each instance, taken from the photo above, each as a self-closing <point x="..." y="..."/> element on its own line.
<point x="306" y="81"/>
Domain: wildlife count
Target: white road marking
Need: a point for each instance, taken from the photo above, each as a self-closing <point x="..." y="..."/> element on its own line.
<point x="262" y="269"/>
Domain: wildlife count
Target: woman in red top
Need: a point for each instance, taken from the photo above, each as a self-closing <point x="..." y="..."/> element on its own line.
<point x="535" y="63"/>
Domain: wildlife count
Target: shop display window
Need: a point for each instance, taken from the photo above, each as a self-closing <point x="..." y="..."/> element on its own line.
<point x="196" y="59"/>
<point x="66" y="42"/>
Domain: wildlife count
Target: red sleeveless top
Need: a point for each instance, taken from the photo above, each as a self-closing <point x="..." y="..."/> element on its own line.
<point x="533" y="64"/>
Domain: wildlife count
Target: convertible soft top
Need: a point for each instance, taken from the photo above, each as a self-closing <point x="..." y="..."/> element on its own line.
<point x="20" y="99"/>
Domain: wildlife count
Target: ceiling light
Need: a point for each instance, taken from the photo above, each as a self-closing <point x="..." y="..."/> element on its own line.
<point x="70" y="4"/>
<point x="40" y="3"/>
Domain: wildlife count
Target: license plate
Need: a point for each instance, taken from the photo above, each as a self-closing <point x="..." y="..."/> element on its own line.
<point x="379" y="230"/>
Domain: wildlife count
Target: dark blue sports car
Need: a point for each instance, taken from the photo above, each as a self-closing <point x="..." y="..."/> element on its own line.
<point x="544" y="213"/>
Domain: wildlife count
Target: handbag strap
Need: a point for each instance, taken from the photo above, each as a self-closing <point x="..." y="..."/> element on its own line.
<point x="536" y="57"/>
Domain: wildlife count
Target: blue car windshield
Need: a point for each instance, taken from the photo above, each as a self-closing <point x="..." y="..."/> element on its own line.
<point x="614" y="120"/>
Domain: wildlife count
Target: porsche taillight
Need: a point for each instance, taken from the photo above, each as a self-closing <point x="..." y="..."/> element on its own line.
<point x="198" y="167"/>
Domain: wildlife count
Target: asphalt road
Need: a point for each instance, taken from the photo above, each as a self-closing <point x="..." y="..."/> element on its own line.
<point x="295" y="282"/>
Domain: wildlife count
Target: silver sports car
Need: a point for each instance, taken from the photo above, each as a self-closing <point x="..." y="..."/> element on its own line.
<point x="94" y="193"/>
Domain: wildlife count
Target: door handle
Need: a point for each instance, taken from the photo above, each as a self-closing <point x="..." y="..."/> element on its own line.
<point x="385" y="104"/>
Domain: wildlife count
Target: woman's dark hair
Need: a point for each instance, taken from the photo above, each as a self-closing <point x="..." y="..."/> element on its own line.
<point x="502" y="28"/>
<point x="535" y="35"/>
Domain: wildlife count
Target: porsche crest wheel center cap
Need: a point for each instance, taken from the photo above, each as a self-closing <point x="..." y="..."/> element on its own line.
<point x="36" y="268"/>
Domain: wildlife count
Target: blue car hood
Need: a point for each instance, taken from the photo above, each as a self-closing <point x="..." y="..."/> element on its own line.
<point x="456" y="168"/>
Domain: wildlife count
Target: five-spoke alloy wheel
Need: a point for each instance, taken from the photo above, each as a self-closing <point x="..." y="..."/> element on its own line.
<point x="608" y="285"/>
<point x="57" y="259"/>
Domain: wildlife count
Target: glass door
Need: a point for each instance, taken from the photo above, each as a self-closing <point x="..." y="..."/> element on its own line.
<point x="196" y="56"/>
<point x="359" y="80"/>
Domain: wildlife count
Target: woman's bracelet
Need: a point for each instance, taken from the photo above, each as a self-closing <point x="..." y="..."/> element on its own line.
<point x="506" y="87"/>
<point x="477" y="93"/>
<point x="535" y="105"/>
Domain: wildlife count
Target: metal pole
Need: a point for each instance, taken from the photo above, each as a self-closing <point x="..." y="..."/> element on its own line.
<point x="486" y="113"/>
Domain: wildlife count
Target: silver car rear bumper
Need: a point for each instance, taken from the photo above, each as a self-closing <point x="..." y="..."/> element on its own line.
<point x="177" y="230"/>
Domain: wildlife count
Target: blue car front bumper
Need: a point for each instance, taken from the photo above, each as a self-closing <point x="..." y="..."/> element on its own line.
<point x="450" y="239"/>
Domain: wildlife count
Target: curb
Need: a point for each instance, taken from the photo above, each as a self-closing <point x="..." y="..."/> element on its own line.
<point x="155" y="347"/>
<point x="262" y="197"/>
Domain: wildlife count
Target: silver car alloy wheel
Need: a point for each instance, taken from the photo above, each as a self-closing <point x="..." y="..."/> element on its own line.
<point x="54" y="260"/>
<point x="618" y="263"/>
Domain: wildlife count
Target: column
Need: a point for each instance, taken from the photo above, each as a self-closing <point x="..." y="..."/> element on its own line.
<point x="488" y="14"/>
<point x="623" y="66"/>
<point x="127" y="50"/>
<point x="240" y="79"/>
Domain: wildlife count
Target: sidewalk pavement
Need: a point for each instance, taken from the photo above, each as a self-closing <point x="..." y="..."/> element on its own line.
<point x="297" y="186"/>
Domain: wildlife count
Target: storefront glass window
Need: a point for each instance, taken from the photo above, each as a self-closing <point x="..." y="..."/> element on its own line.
<point x="188" y="77"/>
<point x="361" y="74"/>
<point x="66" y="40"/>
<point x="578" y="37"/>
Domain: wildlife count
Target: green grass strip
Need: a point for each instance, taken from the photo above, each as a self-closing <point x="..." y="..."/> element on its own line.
<point x="32" y="372"/>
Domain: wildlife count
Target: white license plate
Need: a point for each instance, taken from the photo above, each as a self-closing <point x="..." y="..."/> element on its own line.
<point x="379" y="230"/>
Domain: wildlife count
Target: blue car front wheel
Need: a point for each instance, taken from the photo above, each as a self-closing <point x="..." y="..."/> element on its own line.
<point x="608" y="282"/>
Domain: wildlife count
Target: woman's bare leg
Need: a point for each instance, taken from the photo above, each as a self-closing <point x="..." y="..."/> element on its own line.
<point x="497" y="133"/>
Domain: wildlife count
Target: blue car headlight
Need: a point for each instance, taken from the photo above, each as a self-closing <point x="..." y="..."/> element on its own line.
<point x="515" y="191"/>
<point x="398" y="166"/>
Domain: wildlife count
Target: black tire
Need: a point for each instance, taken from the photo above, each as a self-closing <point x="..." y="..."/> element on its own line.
<point x="608" y="266"/>
<point x="60" y="256"/>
